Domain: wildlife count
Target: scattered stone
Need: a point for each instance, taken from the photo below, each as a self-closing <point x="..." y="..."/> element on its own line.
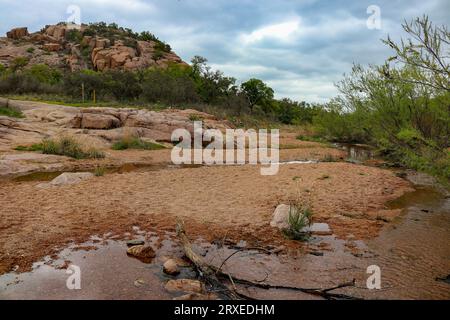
<point x="184" y="285"/>
<point x="425" y="210"/>
<point x="197" y="296"/>
<point x="170" y="267"/>
<point x="140" y="283"/>
<point x="132" y="243"/>
<point x="316" y="253"/>
<point x="142" y="253"/>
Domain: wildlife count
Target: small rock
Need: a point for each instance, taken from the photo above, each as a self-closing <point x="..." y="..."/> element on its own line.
<point x="142" y="252"/>
<point x="170" y="267"/>
<point x="280" y="217"/>
<point x="132" y="243"/>
<point x="316" y="253"/>
<point x="184" y="285"/>
<point x="139" y="283"/>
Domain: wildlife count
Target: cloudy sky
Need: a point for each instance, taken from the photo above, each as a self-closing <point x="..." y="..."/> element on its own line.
<point x="299" y="47"/>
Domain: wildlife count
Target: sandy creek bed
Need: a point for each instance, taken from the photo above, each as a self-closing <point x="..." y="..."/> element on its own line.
<point x="376" y="218"/>
<point x="52" y="228"/>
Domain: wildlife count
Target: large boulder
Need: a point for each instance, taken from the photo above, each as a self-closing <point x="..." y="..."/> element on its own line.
<point x="98" y="121"/>
<point x="57" y="32"/>
<point x="17" y="33"/>
<point x="52" y="47"/>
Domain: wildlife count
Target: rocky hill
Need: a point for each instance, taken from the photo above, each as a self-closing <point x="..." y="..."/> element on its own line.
<point x="96" y="46"/>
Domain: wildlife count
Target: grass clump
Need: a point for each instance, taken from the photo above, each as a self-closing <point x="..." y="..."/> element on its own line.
<point x="5" y="111"/>
<point x="67" y="146"/>
<point x="299" y="218"/>
<point x="195" y="117"/>
<point x="33" y="147"/>
<point x="99" y="171"/>
<point x="136" y="143"/>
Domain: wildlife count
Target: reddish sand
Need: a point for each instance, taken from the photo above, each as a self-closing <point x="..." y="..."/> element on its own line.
<point x="214" y="201"/>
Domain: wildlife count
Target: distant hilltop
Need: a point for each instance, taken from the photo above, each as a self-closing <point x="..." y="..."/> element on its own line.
<point x="95" y="46"/>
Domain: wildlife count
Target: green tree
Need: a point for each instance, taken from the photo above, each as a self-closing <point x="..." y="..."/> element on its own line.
<point x="257" y="93"/>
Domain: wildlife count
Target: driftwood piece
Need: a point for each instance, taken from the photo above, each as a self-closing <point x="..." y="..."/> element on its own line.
<point x="212" y="274"/>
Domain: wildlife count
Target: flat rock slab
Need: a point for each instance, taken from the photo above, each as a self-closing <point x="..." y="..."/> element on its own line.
<point x="67" y="178"/>
<point x="321" y="229"/>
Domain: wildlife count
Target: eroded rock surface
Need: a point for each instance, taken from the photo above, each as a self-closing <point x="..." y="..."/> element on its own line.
<point x="98" y="127"/>
<point x="54" y="46"/>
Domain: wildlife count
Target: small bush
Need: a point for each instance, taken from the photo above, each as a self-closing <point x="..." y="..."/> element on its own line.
<point x="299" y="218"/>
<point x="67" y="146"/>
<point x="157" y="55"/>
<point x="30" y="50"/>
<point x="136" y="143"/>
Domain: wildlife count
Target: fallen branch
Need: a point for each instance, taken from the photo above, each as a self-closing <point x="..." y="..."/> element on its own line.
<point x="204" y="270"/>
<point x="212" y="274"/>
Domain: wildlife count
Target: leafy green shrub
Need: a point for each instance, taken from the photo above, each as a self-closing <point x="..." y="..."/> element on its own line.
<point x="157" y="55"/>
<point x="299" y="218"/>
<point x="123" y="85"/>
<point x="74" y="35"/>
<point x="67" y="146"/>
<point x="43" y="73"/>
<point x="30" y="50"/>
<point x="18" y="63"/>
<point x="162" y="46"/>
<point x="136" y="143"/>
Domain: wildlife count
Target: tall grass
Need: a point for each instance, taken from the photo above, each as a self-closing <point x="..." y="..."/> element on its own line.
<point x="299" y="218"/>
<point x="68" y="146"/>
